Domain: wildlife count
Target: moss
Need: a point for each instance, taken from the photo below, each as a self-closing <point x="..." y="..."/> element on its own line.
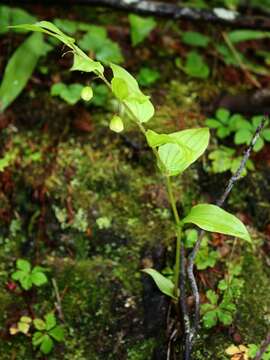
<point x="141" y="351"/>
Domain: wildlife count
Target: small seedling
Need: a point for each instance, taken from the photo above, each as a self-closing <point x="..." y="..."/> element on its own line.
<point x="47" y="332"/>
<point x="28" y="277"/>
<point x="23" y="326"/>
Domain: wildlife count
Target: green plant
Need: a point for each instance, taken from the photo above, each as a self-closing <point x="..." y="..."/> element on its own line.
<point x="195" y="38"/>
<point x="225" y="159"/>
<point x="47" y="332"/>
<point x="226" y="124"/>
<point x="147" y="76"/>
<point x="71" y="94"/>
<point x="195" y="65"/>
<point x="20" y="68"/>
<point x="173" y="152"/>
<point x="28" y="277"/>
<point x="252" y="351"/>
<point x="23" y="326"/>
<point x="140" y="28"/>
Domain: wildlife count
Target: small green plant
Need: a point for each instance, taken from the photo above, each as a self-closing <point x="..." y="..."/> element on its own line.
<point x="194" y="66"/>
<point x="47" y="332"/>
<point x="226" y="159"/>
<point x="27" y="277"/>
<point x="71" y="94"/>
<point x="226" y="124"/>
<point x="23" y="326"/>
<point x="253" y="349"/>
<point x="147" y="76"/>
<point x="140" y="28"/>
<point x="194" y="38"/>
<point x="173" y="152"/>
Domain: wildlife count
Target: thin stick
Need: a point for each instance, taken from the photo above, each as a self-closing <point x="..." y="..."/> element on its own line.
<point x="191" y="259"/>
<point x="58" y="303"/>
<point x="237" y="57"/>
<point x="263" y="348"/>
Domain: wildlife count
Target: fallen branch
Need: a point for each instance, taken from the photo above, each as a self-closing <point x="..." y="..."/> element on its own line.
<point x="173" y="11"/>
<point x="191" y="259"/>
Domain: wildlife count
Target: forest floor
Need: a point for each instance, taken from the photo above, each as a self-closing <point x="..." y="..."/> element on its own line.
<point x="90" y="206"/>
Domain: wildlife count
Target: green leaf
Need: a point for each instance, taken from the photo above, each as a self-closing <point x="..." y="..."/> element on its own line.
<point x="212" y="123"/>
<point x="104" y="49"/>
<point x="139" y="104"/>
<point x="180" y="149"/>
<point x="57" y="333"/>
<point x="50" y="321"/>
<point x="26" y="282"/>
<point x="266" y="134"/>
<point x="246" y="35"/>
<point x="242" y="136"/>
<point x="147" y="76"/>
<point x="71" y="94"/>
<point x="195" y="66"/>
<point x="85" y="64"/>
<point x="223" y="285"/>
<point x="256" y="121"/>
<point x="37" y="338"/>
<point x="225" y="317"/>
<point x="68" y="26"/>
<point x="46" y="345"/>
<point x="210" y="319"/>
<point x="10" y="16"/>
<point x="213" y="218"/>
<point x="140" y="28"/>
<point x="120" y="88"/>
<point x="223" y="132"/>
<point x="165" y="285"/>
<point x="39" y="324"/>
<point x="195" y="38"/>
<point x="223" y="115"/>
<point x="20" y="68"/>
<point x="23" y="265"/>
<point x="39" y="278"/>
<point x="258" y="145"/>
<point x="212" y="297"/>
<point x="23" y="327"/>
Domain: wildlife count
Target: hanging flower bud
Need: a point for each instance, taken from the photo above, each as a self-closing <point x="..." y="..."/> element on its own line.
<point x="87" y="93"/>
<point x="116" y="124"/>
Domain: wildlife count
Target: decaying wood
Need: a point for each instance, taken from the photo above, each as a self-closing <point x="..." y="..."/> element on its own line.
<point x="173" y="11"/>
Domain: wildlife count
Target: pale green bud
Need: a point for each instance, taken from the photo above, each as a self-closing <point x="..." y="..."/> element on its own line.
<point x="117" y="124"/>
<point x="87" y="93"/>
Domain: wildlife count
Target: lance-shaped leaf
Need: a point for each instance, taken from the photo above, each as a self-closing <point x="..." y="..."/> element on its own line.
<point x="85" y="64"/>
<point x="164" y="284"/>
<point x="49" y="28"/>
<point x="212" y="218"/>
<point x="20" y="68"/>
<point x="127" y="90"/>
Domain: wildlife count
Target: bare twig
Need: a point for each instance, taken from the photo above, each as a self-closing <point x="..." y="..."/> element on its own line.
<point x="172" y="11"/>
<point x="58" y="303"/>
<point x="263" y="348"/>
<point x="191" y="259"/>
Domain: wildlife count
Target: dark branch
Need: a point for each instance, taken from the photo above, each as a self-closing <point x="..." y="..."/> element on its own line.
<point x="263" y="348"/>
<point x="191" y="259"/>
<point x="173" y="11"/>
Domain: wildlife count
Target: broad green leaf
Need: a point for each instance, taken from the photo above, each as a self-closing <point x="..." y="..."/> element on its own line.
<point x="39" y="324"/>
<point x="174" y="158"/>
<point x="104" y="49"/>
<point x="213" y="123"/>
<point x="246" y="35"/>
<point x="19" y="69"/>
<point x="46" y="345"/>
<point x="71" y="94"/>
<point x="85" y="64"/>
<point x="223" y="115"/>
<point x="10" y="16"/>
<point x="266" y="134"/>
<point x="50" y="321"/>
<point x="57" y="333"/>
<point x="140" y="28"/>
<point x="180" y="149"/>
<point x="147" y="76"/>
<point x="210" y="319"/>
<point x="26" y="282"/>
<point x="212" y="297"/>
<point x="212" y="218"/>
<point x="195" y="38"/>
<point x="37" y="338"/>
<point x="23" y="265"/>
<point x="165" y="285"/>
<point x="139" y="104"/>
<point x="258" y="145"/>
<point x="196" y="66"/>
<point x="120" y="88"/>
<point x="18" y="275"/>
<point x="38" y="278"/>
<point x="242" y="136"/>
